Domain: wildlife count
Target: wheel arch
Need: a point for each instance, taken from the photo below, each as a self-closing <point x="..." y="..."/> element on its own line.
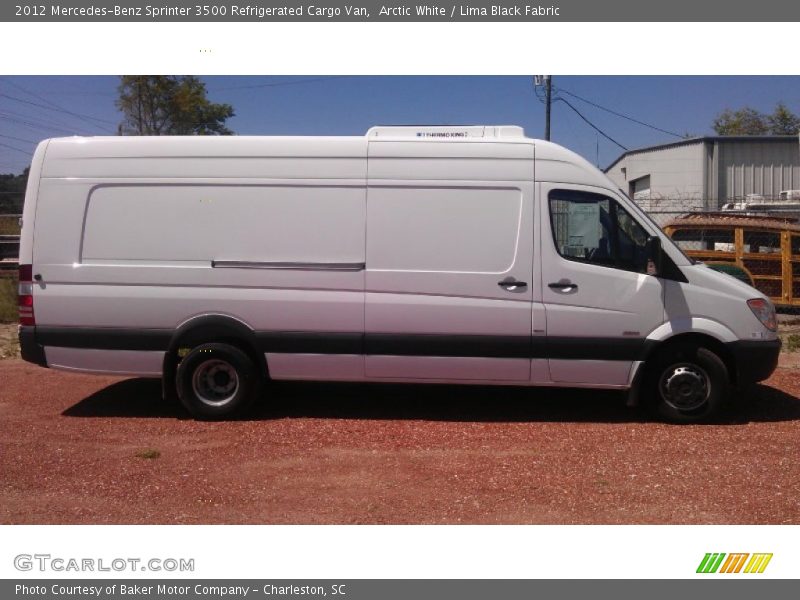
<point x="698" y="339"/>
<point x="655" y="347"/>
<point x="208" y="328"/>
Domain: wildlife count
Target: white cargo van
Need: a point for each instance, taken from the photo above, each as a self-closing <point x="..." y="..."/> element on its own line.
<point x="413" y="254"/>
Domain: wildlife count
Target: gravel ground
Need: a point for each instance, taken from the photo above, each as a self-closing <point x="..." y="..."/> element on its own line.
<point x="82" y="449"/>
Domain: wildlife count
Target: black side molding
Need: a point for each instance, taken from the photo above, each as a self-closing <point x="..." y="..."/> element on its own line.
<point x="30" y="349"/>
<point x="398" y="344"/>
<point x="300" y="342"/>
<point x="104" y="338"/>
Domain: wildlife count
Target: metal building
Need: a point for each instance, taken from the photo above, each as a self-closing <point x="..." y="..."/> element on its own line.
<point x="706" y="172"/>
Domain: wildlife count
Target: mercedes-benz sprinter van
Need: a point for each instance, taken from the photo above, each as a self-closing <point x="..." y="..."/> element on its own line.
<point x="412" y="254"/>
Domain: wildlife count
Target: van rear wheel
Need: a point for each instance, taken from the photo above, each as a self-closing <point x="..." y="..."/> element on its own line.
<point x="687" y="384"/>
<point x="215" y="381"/>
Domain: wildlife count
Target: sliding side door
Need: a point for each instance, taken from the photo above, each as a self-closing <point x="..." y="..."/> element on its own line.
<point x="449" y="261"/>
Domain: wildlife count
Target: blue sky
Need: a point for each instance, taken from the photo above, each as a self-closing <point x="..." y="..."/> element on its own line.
<point x="34" y="108"/>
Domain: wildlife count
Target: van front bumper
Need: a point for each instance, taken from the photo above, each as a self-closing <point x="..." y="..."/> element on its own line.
<point x="755" y="361"/>
<point x="30" y="349"/>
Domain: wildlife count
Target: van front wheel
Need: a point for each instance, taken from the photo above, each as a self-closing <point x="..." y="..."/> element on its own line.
<point x="687" y="384"/>
<point x="215" y="381"/>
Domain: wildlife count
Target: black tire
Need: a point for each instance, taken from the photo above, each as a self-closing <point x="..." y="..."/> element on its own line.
<point x="215" y="381"/>
<point x="686" y="384"/>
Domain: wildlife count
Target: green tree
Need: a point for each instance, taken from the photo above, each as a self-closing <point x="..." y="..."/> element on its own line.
<point x="169" y="105"/>
<point x="745" y="121"/>
<point x="749" y="121"/>
<point x="12" y="191"/>
<point x="783" y="121"/>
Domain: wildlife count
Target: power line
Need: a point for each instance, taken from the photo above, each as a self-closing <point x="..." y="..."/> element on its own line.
<point x="17" y="149"/>
<point x="619" y="114"/>
<point x="11" y="137"/>
<point x="54" y="105"/>
<point x="577" y="112"/>
<point x="38" y="119"/>
<point x="86" y="118"/>
<point x="592" y="125"/>
<point x="58" y="92"/>
<point x="34" y="126"/>
<point x="278" y="83"/>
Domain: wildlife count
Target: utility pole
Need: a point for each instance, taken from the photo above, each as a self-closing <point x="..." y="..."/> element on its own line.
<point x="548" y="101"/>
<point x="539" y="81"/>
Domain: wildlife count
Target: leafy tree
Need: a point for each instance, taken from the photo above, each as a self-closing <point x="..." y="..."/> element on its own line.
<point x="12" y="191"/>
<point x="745" y="121"/>
<point x="169" y="105"/>
<point x="749" y="121"/>
<point x="783" y="122"/>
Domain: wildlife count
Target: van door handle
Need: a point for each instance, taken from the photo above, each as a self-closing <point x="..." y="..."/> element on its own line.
<point x="567" y="286"/>
<point x="511" y="284"/>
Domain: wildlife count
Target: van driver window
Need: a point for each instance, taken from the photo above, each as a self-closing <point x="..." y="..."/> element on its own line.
<point x="595" y="229"/>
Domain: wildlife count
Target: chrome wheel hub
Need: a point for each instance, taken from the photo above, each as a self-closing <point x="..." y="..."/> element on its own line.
<point x="215" y="382"/>
<point x="684" y="387"/>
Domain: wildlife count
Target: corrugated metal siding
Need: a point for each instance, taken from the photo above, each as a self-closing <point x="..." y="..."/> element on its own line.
<point x="764" y="168"/>
<point x="675" y="172"/>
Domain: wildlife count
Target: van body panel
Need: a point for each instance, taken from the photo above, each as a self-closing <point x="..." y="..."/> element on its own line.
<point x="458" y="161"/>
<point x="447" y="368"/>
<point x="687" y="324"/>
<point x="238" y="157"/>
<point x="556" y="164"/>
<point x="169" y="306"/>
<point x="141" y="363"/>
<point x="610" y="372"/>
<point x="326" y="367"/>
<point x="714" y="301"/>
<point x="148" y="233"/>
<point x="441" y="240"/>
<point x="29" y="207"/>
<point x="203" y="223"/>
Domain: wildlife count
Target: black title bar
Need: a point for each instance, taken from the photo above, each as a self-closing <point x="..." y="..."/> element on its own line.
<point x="438" y="11"/>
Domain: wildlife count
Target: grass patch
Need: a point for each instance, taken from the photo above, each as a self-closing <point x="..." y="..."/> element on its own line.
<point x="9" y="342"/>
<point x="8" y="300"/>
<point x="150" y="454"/>
<point x="793" y="342"/>
<point x="9" y="226"/>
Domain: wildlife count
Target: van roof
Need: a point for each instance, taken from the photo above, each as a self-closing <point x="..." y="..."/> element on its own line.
<point x="554" y="162"/>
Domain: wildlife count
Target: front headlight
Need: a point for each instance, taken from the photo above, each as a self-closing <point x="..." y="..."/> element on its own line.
<point x="764" y="312"/>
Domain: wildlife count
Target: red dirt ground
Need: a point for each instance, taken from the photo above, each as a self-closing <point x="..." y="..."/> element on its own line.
<point x="82" y="449"/>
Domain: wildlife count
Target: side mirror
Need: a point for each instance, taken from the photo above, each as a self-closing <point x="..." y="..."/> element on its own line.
<point x="653" y="252"/>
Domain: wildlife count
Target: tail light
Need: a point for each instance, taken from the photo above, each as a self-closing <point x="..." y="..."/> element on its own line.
<point x="26" y="295"/>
